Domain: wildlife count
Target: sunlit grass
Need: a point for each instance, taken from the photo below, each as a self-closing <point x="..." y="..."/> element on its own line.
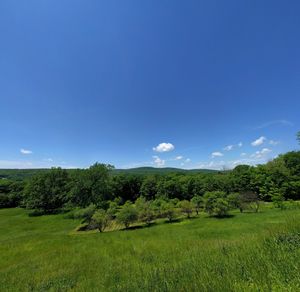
<point x="200" y="254"/>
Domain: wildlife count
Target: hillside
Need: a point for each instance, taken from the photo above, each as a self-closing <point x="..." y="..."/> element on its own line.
<point x="201" y="254"/>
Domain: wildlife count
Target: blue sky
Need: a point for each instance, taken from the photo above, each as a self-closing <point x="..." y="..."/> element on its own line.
<point x="82" y="81"/>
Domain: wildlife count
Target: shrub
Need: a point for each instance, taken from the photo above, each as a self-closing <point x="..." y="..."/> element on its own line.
<point x="248" y="200"/>
<point x="112" y="210"/>
<point x="167" y="210"/>
<point x="186" y="207"/>
<point x="210" y="200"/>
<point x="198" y="203"/>
<point x="4" y="201"/>
<point x="221" y="207"/>
<point x="127" y="215"/>
<point x="100" y="220"/>
<point x="158" y="207"/>
<point x="216" y="204"/>
<point x="234" y="200"/>
<point x="145" y="210"/>
<point x="277" y="198"/>
<point x="85" y="214"/>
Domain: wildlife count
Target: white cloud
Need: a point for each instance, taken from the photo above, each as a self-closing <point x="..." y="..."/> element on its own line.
<point x="216" y="154"/>
<point x="223" y="165"/>
<point x="231" y="147"/>
<point x="212" y="165"/>
<point x="261" y="154"/>
<point x="178" y="157"/>
<point x="265" y="150"/>
<point x="158" y="162"/>
<point x="24" y="151"/>
<point x="164" y="147"/>
<point x="183" y="163"/>
<point x="274" y="143"/>
<point x="228" y="148"/>
<point x="243" y="154"/>
<point x="259" y="141"/>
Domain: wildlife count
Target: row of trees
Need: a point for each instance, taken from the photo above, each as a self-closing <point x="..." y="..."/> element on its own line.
<point x="52" y="190"/>
<point x="214" y="203"/>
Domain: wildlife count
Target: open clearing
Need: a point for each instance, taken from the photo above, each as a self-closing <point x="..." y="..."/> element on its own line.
<point x="200" y="254"/>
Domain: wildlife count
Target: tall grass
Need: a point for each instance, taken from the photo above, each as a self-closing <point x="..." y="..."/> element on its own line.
<point x="248" y="252"/>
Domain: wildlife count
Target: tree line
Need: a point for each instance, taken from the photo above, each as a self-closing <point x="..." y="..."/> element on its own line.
<point x="49" y="191"/>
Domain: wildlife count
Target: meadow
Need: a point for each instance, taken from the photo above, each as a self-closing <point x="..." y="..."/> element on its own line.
<point x="244" y="252"/>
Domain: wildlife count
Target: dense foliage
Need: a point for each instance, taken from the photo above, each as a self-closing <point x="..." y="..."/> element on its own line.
<point x="128" y="197"/>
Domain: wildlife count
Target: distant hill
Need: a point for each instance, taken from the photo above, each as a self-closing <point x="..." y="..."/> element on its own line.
<point x="162" y="170"/>
<point x="21" y="174"/>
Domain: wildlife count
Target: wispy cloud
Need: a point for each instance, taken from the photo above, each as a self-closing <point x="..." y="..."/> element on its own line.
<point x="221" y="165"/>
<point x="262" y="153"/>
<point x="259" y="141"/>
<point x="158" y="161"/>
<point x="233" y="146"/>
<point x="178" y="157"/>
<point x="275" y="122"/>
<point x="25" y="151"/>
<point x="228" y="148"/>
<point x="48" y="159"/>
<point x="186" y="161"/>
<point x="274" y="143"/>
<point x="217" y="154"/>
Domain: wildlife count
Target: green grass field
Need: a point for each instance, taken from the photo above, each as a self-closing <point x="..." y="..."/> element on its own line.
<point x="201" y="254"/>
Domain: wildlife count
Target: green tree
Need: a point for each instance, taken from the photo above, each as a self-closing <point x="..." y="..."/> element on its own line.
<point x="168" y="211"/>
<point x="277" y="197"/>
<point x="157" y="206"/>
<point x="186" y="207"/>
<point x="210" y="199"/>
<point x="126" y="186"/>
<point x="234" y="200"/>
<point x="149" y="187"/>
<point x="91" y="186"/>
<point x="241" y="177"/>
<point x="145" y="210"/>
<point x="248" y="200"/>
<point x="198" y="203"/>
<point x="100" y="220"/>
<point x="16" y="193"/>
<point x="127" y="215"/>
<point x="221" y="207"/>
<point x="112" y="209"/>
<point x="47" y="191"/>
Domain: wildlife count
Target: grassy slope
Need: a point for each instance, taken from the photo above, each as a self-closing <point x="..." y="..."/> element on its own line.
<point x="202" y="254"/>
